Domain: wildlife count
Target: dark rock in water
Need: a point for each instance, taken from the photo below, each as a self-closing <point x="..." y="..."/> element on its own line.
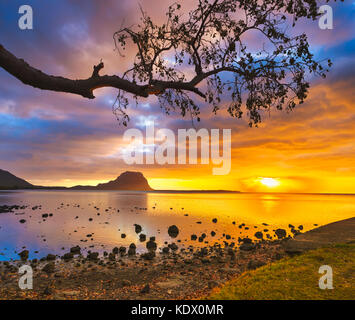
<point x="146" y="289"/>
<point x="115" y="250"/>
<point x="166" y="250"/>
<point x="50" y="257"/>
<point x="173" y="247"/>
<point x="300" y="227"/>
<point x="137" y="228"/>
<point x="45" y="215"/>
<point x="49" y="267"/>
<point x="247" y="246"/>
<point x="132" y="249"/>
<point x="123" y="235"/>
<point x="148" y="255"/>
<point x="258" y="235"/>
<point x="254" y="264"/>
<point x="112" y="257"/>
<point x="173" y="231"/>
<point x="193" y="237"/>
<point x="200" y="239"/>
<point x="122" y="250"/>
<point x="245" y="240"/>
<point x="93" y="256"/>
<point x="152" y="238"/>
<point x="22" y="221"/>
<point x="151" y="245"/>
<point x="142" y="237"/>
<point x="213" y="233"/>
<point x="23" y="255"/>
<point x="280" y="233"/>
<point x="291" y="226"/>
<point x="75" y="250"/>
<point x="68" y="256"/>
<point x="214" y="220"/>
<point x="228" y="237"/>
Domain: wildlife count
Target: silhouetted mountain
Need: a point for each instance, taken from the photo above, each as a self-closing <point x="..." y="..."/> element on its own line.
<point x="128" y="180"/>
<point x="9" y="181"/>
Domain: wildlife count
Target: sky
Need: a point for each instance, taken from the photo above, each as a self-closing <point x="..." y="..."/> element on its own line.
<point x="59" y="139"/>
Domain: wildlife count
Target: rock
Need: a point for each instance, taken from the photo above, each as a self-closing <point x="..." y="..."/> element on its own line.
<point x="214" y="220"/>
<point x="146" y="289"/>
<point x="137" y="228"/>
<point x="75" y="250"/>
<point x="291" y="226"/>
<point x="258" y="235"/>
<point x="122" y="250"/>
<point x="68" y="256"/>
<point x="22" y="221"/>
<point x="148" y="255"/>
<point x="112" y="257"/>
<point x="151" y="245"/>
<point x="142" y="237"/>
<point x="115" y="250"/>
<point x="213" y="233"/>
<point x="50" y="257"/>
<point x="193" y="237"/>
<point x="245" y="240"/>
<point x="254" y="264"/>
<point x="166" y="250"/>
<point x="173" y="231"/>
<point x="173" y="247"/>
<point x="123" y="235"/>
<point x="45" y="215"/>
<point x="300" y="227"/>
<point x="247" y="246"/>
<point x="49" y="267"/>
<point x="132" y="249"/>
<point x="93" y="256"/>
<point x="24" y="255"/>
<point x="280" y="233"/>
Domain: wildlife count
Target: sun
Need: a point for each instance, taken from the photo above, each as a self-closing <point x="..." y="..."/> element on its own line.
<point x="269" y="182"/>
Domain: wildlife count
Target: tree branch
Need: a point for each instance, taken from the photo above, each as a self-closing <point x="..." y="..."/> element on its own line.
<point x="85" y="87"/>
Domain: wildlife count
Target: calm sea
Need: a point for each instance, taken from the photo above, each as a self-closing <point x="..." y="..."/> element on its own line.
<point x="95" y="220"/>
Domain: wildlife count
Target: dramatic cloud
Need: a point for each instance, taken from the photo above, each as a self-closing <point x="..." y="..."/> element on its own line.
<point x="60" y="139"/>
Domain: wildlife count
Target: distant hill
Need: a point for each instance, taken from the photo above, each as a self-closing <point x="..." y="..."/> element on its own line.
<point x="9" y="181"/>
<point x="128" y="180"/>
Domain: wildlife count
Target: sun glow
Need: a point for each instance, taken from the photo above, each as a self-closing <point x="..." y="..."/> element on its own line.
<point x="269" y="182"/>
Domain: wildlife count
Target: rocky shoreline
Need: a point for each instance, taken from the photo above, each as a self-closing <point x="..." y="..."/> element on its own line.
<point x="171" y="274"/>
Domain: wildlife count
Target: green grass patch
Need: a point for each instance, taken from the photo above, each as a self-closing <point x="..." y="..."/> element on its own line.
<point x="296" y="278"/>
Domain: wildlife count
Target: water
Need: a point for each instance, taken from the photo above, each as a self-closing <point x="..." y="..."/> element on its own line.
<point x="155" y="213"/>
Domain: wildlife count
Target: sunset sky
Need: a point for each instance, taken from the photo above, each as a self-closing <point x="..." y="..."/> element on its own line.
<point x="51" y="138"/>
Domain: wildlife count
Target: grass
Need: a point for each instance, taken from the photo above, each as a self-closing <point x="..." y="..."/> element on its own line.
<point x="296" y="278"/>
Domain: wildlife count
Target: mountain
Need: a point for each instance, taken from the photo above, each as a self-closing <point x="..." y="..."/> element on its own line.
<point x="128" y="180"/>
<point x="9" y="181"/>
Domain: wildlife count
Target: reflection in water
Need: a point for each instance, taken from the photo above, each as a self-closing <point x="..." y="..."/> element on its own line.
<point x="91" y="218"/>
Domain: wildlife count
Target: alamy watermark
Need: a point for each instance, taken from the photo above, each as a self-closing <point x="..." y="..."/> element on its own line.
<point x="163" y="147"/>
<point x="326" y="280"/>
